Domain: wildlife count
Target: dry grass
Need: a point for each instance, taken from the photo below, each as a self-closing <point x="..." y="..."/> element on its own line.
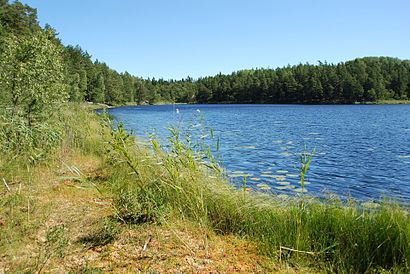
<point x="52" y="201"/>
<point x="177" y="247"/>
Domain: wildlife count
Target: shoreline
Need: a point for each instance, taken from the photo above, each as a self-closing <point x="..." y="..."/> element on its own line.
<point x="366" y="202"/>
<point x="383" y="102"/>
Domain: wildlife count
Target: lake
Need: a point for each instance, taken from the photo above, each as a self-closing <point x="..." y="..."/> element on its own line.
<point x="361" y="151"/>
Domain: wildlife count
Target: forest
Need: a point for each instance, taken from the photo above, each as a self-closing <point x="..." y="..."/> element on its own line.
<point x="367" y="79"/>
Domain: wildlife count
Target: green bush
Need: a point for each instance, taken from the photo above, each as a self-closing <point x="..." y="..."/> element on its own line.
<point x="32" y="91"/>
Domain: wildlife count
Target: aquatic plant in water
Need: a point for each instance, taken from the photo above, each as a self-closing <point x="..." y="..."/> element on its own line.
<point x="305" y="159"/>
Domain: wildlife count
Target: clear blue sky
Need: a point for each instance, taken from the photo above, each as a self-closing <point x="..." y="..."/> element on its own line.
<point x="173" y="39"/>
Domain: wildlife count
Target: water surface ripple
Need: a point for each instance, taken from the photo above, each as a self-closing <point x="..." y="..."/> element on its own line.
<point x="362" y="151"/>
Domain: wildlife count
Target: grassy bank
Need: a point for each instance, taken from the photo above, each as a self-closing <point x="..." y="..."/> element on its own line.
<point x="102" y="202"/>
<point x="58" y="215"/>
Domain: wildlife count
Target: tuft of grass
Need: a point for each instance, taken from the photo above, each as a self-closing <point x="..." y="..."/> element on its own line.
<point x="106" y="231"/>
<point x="55" y="245"/>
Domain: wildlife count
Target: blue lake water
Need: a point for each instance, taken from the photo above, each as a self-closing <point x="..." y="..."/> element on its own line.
<point x="361" y="151"/>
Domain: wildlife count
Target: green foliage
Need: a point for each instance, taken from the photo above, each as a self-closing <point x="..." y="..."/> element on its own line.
<point x="305" y="159"/>
<point x="31" y="90"/>
<point x="56" y="240"/>
<point x="31" y="143"/>
<point x="15" y="209"/>
<point x="17" y="18"/>
<point x="98" y="89"/>
<point x="363" y="79"/>
<point x="31" y="76"/>
<point x="105" y="232"/>
<point x="85" y="135"/>
<point x="133" y="203"/>
<point x="80" y="73"/>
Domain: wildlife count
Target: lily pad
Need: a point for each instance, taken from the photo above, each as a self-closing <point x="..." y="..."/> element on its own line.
<point x="248" y="147"/>
<point x="292" y="175"/>
<point x="268" y="176"/>
<point x="264" y="186"/>
<point x="283" y="183"/>
<point x="241" y="175"/>
<point x="285" y="187"/>
<point x="300" y="190"/>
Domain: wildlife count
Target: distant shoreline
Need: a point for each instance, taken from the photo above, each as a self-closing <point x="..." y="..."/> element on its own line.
<point x="385" y="102"/>
<point x="381" y="102"/>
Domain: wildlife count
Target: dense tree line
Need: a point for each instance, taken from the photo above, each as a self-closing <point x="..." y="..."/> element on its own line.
<point x="363" y="79"/>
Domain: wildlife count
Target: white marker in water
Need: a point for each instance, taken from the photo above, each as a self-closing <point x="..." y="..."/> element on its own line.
<point x="177" y="110"/>
<point x="197" y="110"/>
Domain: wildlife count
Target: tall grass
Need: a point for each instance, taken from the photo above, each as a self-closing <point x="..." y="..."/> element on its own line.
<point x="31" y="143"/>
<point x="24" y="151"/>
<point x="149" y="185"/>
<point x="25" y="145"/>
